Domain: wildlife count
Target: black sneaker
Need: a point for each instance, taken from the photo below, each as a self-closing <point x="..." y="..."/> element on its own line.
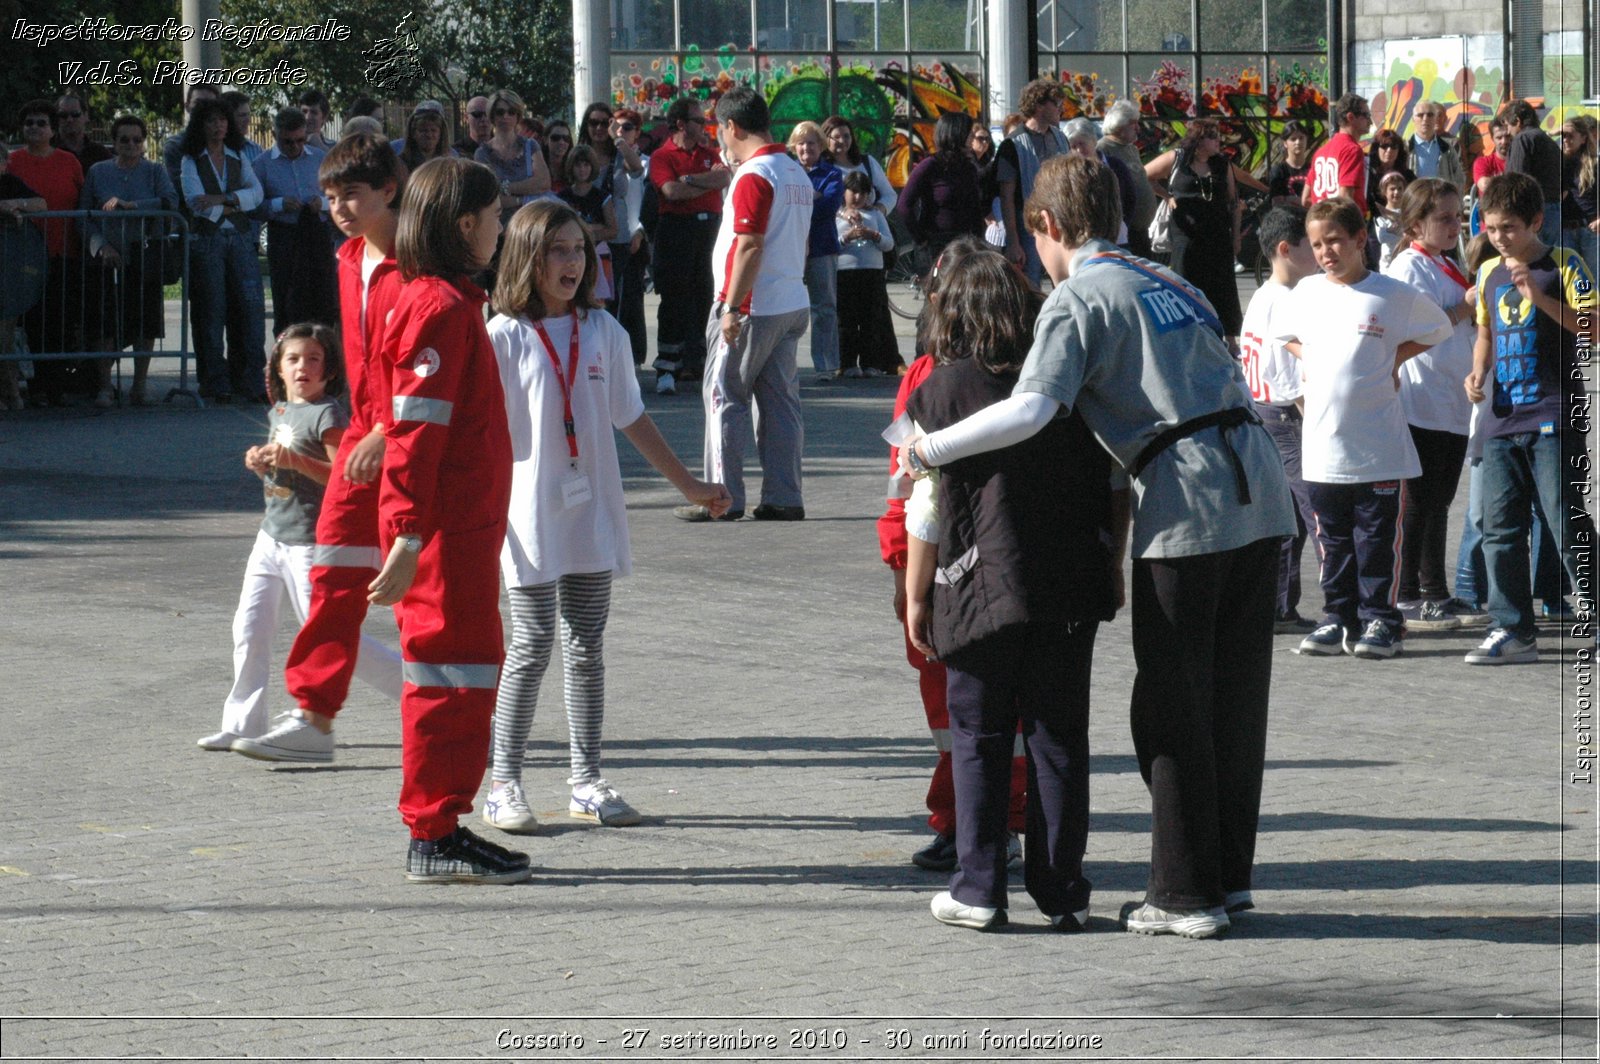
<point x="462" y="857"/>
<point x="768" y="512"/>
<point x="938" y="856"/>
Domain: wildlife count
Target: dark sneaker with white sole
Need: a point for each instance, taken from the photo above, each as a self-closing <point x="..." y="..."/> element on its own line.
<point x="1329" y="640"/>
<point x="1430" y="615"/>
<point x="462" y="857"/>
<point x="1380" y="640"/>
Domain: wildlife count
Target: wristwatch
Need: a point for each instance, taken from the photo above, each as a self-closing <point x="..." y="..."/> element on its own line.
<point x="915" y="462"/>
<point x="505" y="188"/>
<point x="413" y="544"/>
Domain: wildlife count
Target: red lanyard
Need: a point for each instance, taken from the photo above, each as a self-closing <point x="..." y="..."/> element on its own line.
<point x="1444" y="264"/>
<point x="565" y="380"/>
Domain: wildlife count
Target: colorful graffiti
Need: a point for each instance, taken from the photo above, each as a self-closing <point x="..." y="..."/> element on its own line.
<point x="1254" y="111"/>
<point x="892" y="109"/>
<point x="1440" y="70"/>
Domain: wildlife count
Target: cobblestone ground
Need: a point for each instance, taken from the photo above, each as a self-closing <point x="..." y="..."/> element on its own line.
<point x="1425" y="879"/>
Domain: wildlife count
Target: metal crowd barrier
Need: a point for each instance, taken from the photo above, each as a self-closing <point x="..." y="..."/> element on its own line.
<point x="82" y="307"/>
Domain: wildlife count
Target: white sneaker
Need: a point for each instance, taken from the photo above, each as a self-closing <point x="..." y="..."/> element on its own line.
<point x="294" y="739"/>
<point x="223" y="740"/>
<point x="1190" y="923"/>
<point x="1071" y="923"/>
<point x="947" y="910"/>
<point x="506" y="808"/>
<point x="666" y="384"/>
<point x="599" y="802"/>
<point x="1503" y="648"/>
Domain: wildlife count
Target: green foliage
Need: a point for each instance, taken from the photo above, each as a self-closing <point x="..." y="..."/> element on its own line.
<point x="29" y="71"/>
<point x="463" y="47"/>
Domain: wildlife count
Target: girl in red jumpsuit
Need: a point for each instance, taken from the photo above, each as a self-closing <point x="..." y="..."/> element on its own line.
<point x="442" y="514"/>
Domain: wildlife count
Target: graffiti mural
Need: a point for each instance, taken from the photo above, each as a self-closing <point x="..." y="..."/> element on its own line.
<point x="892" y="107"/>
<point x="1254" y="110"/>
<point x="1464" y="74"/>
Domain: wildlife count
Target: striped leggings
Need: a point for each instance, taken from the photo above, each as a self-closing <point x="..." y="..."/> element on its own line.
<point x="584" y="606"/>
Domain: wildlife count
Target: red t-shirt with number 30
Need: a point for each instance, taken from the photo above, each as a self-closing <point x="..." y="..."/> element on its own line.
<point x="1339" y="164"/>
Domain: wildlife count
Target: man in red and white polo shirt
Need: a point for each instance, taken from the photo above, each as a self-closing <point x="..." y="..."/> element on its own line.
<point x="761" y="311"/>
<point x="1339" y="168"/>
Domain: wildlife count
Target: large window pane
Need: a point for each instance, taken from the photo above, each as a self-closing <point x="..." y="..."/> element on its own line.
<point x="1293" y="24"/>
<point x="946" y="25"/>
<point x="791" y="25"/>
<point x="1230" y="24"/>
<point x="1233" y="84"/>
<point x="875" y="25"/>
<point x="1300" y="83"/>
<point x="1165" y="83"/>
<point x="1160" y="26"/>
<point x="642" y="24"/>
<point x="1091" y="82"/>
<point x="713" y="23"/>
<point x="1081" y="25"/>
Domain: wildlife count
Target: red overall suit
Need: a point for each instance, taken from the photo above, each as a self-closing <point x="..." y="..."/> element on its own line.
<point x="446" y="478"/>
<point x="930" y="674"/>
<point x="347" y="557"/>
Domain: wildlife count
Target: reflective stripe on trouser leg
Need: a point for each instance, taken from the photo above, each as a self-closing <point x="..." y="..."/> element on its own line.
<point x="325" y="653"/>
<point x="450" y="638"/>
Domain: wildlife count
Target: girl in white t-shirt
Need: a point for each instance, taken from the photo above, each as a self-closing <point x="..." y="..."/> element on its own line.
<point x="568" y="375"/>
<point x="1436" y="406"/>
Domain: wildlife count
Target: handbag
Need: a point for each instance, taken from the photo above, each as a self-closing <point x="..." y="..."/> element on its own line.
<point x="1161" y="229"/>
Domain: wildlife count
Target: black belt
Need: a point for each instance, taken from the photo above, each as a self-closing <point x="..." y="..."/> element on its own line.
<point x="1227" y="419"/>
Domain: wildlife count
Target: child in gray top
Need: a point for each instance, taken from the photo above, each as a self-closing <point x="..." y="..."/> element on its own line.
<point x="304" y="425"/>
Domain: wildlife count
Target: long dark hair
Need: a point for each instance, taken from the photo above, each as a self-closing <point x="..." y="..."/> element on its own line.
<point x="985" y="312"/>
<point x="194" y="134"/>
<point x="958" y="249"/>
<point x="428" y="241"/>
<point x="950" y="134"/>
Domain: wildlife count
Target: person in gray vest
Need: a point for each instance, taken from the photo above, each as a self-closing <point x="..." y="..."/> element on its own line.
<point x="219" y="187"/>
<point x="1017" y="165"/>
<point x="1432" y="153"/>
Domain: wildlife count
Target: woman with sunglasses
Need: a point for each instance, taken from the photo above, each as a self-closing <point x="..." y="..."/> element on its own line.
<point x="517" y="161"/>
<point x="1386" y="155"/>
<point x="557" y="143"/>
<point x="620" y="176"/>
<point x="1197" y="180"/>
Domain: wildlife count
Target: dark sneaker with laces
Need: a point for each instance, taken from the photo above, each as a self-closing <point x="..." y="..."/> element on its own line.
<point x="462" y="857"/>
<point x="1329" y="639"/>
<point x="1430" y="615"/>
<point x="1380" y="640"/>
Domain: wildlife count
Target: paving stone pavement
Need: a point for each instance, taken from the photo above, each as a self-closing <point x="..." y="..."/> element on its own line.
<point x="1425" y="879"/>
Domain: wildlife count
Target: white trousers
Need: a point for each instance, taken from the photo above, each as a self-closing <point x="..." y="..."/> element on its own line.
<point x="273" y="569"/>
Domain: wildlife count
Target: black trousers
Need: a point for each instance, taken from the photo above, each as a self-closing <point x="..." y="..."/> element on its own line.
<point x="683" y="281"/>
<point x="1425" y="524"/>
<point x="1040" y="675"/>
<point x="1358" y="529"/>
<point x="1202" y="642"/>
<point x="866" y="335"/>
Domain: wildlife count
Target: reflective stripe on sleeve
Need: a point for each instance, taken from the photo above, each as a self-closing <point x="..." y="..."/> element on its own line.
<point x="417" y="408"/>
<point x="421" y="674"/>
<point x="344" y="557"/>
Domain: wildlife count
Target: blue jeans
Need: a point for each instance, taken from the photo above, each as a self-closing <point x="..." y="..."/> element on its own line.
<point x="822" y="284"/>
<point x="1472" y="580"/>
<point x="1550" y="228"/>
<point x="1517" y="470"/>
<point x="225" y="298"/>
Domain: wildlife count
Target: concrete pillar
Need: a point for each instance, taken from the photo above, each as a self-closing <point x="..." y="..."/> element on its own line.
<point x="200" y="54"/>
<point x="1008" y="55"/>
<point x="591" y="55"/>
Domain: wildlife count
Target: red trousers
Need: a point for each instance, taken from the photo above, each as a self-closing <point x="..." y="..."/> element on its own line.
<point x="344" y="561"/>
<point x="452" y="644"/>
<point x="942" y="788"/>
